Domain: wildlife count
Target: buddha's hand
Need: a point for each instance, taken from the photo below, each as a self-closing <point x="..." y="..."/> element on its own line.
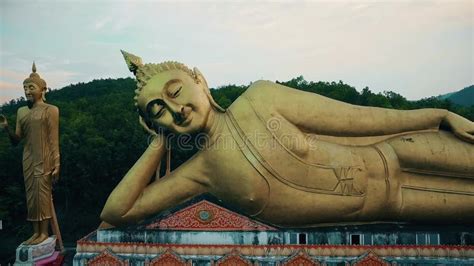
<point x="3" y="122"/>
<point x="461" y="127"/>
<point x="55" y="175"/>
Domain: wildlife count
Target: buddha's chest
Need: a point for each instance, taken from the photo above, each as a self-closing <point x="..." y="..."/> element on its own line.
<point x="33" y="121"/>
<point x="280" y="152"/>
<point x="234" y="179"/>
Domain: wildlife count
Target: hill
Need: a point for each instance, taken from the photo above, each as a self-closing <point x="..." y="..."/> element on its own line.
<point x="463" y="97"/>
<point x="100" y="139"/>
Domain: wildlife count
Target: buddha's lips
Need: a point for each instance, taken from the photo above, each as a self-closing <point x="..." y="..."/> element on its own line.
<point x="185" y="118"/>
<point x="185" y="121"/>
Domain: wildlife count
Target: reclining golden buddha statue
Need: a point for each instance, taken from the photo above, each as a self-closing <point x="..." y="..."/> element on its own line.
<point x="296" y="159"/>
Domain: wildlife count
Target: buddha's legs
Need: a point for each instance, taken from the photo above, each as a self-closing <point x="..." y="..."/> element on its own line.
<point x="38" y="199"/>
<point x="439" y="153"/>
<point x="436" y="199"/>
<point x="436" y="177"/>
<point x="43" y="232"/>
<point x="35" y="233"/>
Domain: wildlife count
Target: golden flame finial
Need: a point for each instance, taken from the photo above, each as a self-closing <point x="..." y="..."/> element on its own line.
<point x="133" y="62"/>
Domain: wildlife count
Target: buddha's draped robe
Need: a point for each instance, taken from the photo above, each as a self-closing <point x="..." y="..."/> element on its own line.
<point x="39" y="128"/>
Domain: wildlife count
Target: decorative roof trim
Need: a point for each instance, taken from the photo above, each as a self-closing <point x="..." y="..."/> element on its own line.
<point x="214" y="218"/>
<point x="300" y="257"/>
<point x="370" y="258"/>
<point x="233" y="258"/>
<point x="105" y="257"/>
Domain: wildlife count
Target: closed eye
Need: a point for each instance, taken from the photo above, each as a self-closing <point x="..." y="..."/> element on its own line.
<point x="176" y="93"/>
<point x="155" y="108"/>
<point x="159" y="113"/>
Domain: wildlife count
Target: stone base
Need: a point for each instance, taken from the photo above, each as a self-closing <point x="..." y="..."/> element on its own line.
<point x="55" y="259"/>
<point x="29" y="254"/>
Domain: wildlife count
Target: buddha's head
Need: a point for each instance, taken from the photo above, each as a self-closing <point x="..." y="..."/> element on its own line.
<point x="34" y="87"/>
<point x="172" y="96"/>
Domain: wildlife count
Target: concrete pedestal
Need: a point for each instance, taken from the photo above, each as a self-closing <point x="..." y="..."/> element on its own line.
<point x="30" y="254"/>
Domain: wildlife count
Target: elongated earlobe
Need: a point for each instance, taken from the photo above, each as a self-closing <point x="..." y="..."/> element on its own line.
<point x="201" y="79"/>
<point x="145" y="126"/>
<point x="199" y="76"/>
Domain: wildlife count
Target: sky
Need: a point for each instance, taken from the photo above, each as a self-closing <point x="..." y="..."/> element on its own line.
<point x="415" y="48"/>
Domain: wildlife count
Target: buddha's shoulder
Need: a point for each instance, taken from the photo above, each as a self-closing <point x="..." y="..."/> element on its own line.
<point x="265" y="89"/>
<point x="22" y="111"/>
<point x="260" y="87"/>
<point x="255" y="93"/>
<point x="258" y="95"/>
<point x="48" y="105"/>
<point x="51" y="108"/>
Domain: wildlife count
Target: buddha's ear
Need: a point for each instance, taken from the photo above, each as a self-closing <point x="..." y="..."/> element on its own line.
<point x="202" y="80"/>
<point x="145" y="126"/>
<point x="200" y="77"/>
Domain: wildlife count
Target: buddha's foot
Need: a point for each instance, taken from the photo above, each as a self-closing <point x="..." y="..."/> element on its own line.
<point x="39" y="239"/>
<point x="29" y="240"/>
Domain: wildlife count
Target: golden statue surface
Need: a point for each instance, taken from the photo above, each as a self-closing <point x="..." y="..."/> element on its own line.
<point x="296" y="159"/>
<point x="38" y="125"/>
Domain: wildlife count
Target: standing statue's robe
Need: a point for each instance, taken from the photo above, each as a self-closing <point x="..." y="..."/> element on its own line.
<point x="39" y="127"/>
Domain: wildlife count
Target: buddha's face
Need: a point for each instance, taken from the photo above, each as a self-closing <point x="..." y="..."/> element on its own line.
<point x="32" y="92"/>
<point x="174" y="100"/>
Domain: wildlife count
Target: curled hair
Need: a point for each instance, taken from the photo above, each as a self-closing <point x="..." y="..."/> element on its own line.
<point x="145" y="72"/>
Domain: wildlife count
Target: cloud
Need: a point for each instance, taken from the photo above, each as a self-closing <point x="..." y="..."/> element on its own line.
<point x="7" y="86"/>
<point x="418" y="48"/>
<point x="102" y="22"/>
<point x="60" y="78"/>
<point x="12" y="75"/>
<point x="54" y="77"/>
<point x="9" y="91"/>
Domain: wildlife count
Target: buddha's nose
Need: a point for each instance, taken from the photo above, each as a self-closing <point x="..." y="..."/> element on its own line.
<point x="177" y="110"/>
<point x="172" y="106"/>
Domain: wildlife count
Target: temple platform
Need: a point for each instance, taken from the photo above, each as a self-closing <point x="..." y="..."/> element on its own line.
<point x="205" y="232"/>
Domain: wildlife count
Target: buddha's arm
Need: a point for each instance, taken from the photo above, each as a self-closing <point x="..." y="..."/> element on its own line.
<point x="15" y="137"/>
<point x="134" y="198"/>
<point x="164" y="193"/>
<point x="321" y="115"/>
<point x="134" y="182"/>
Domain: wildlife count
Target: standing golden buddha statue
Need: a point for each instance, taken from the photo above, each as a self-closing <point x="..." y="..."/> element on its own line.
<point x="38" y="125"/>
